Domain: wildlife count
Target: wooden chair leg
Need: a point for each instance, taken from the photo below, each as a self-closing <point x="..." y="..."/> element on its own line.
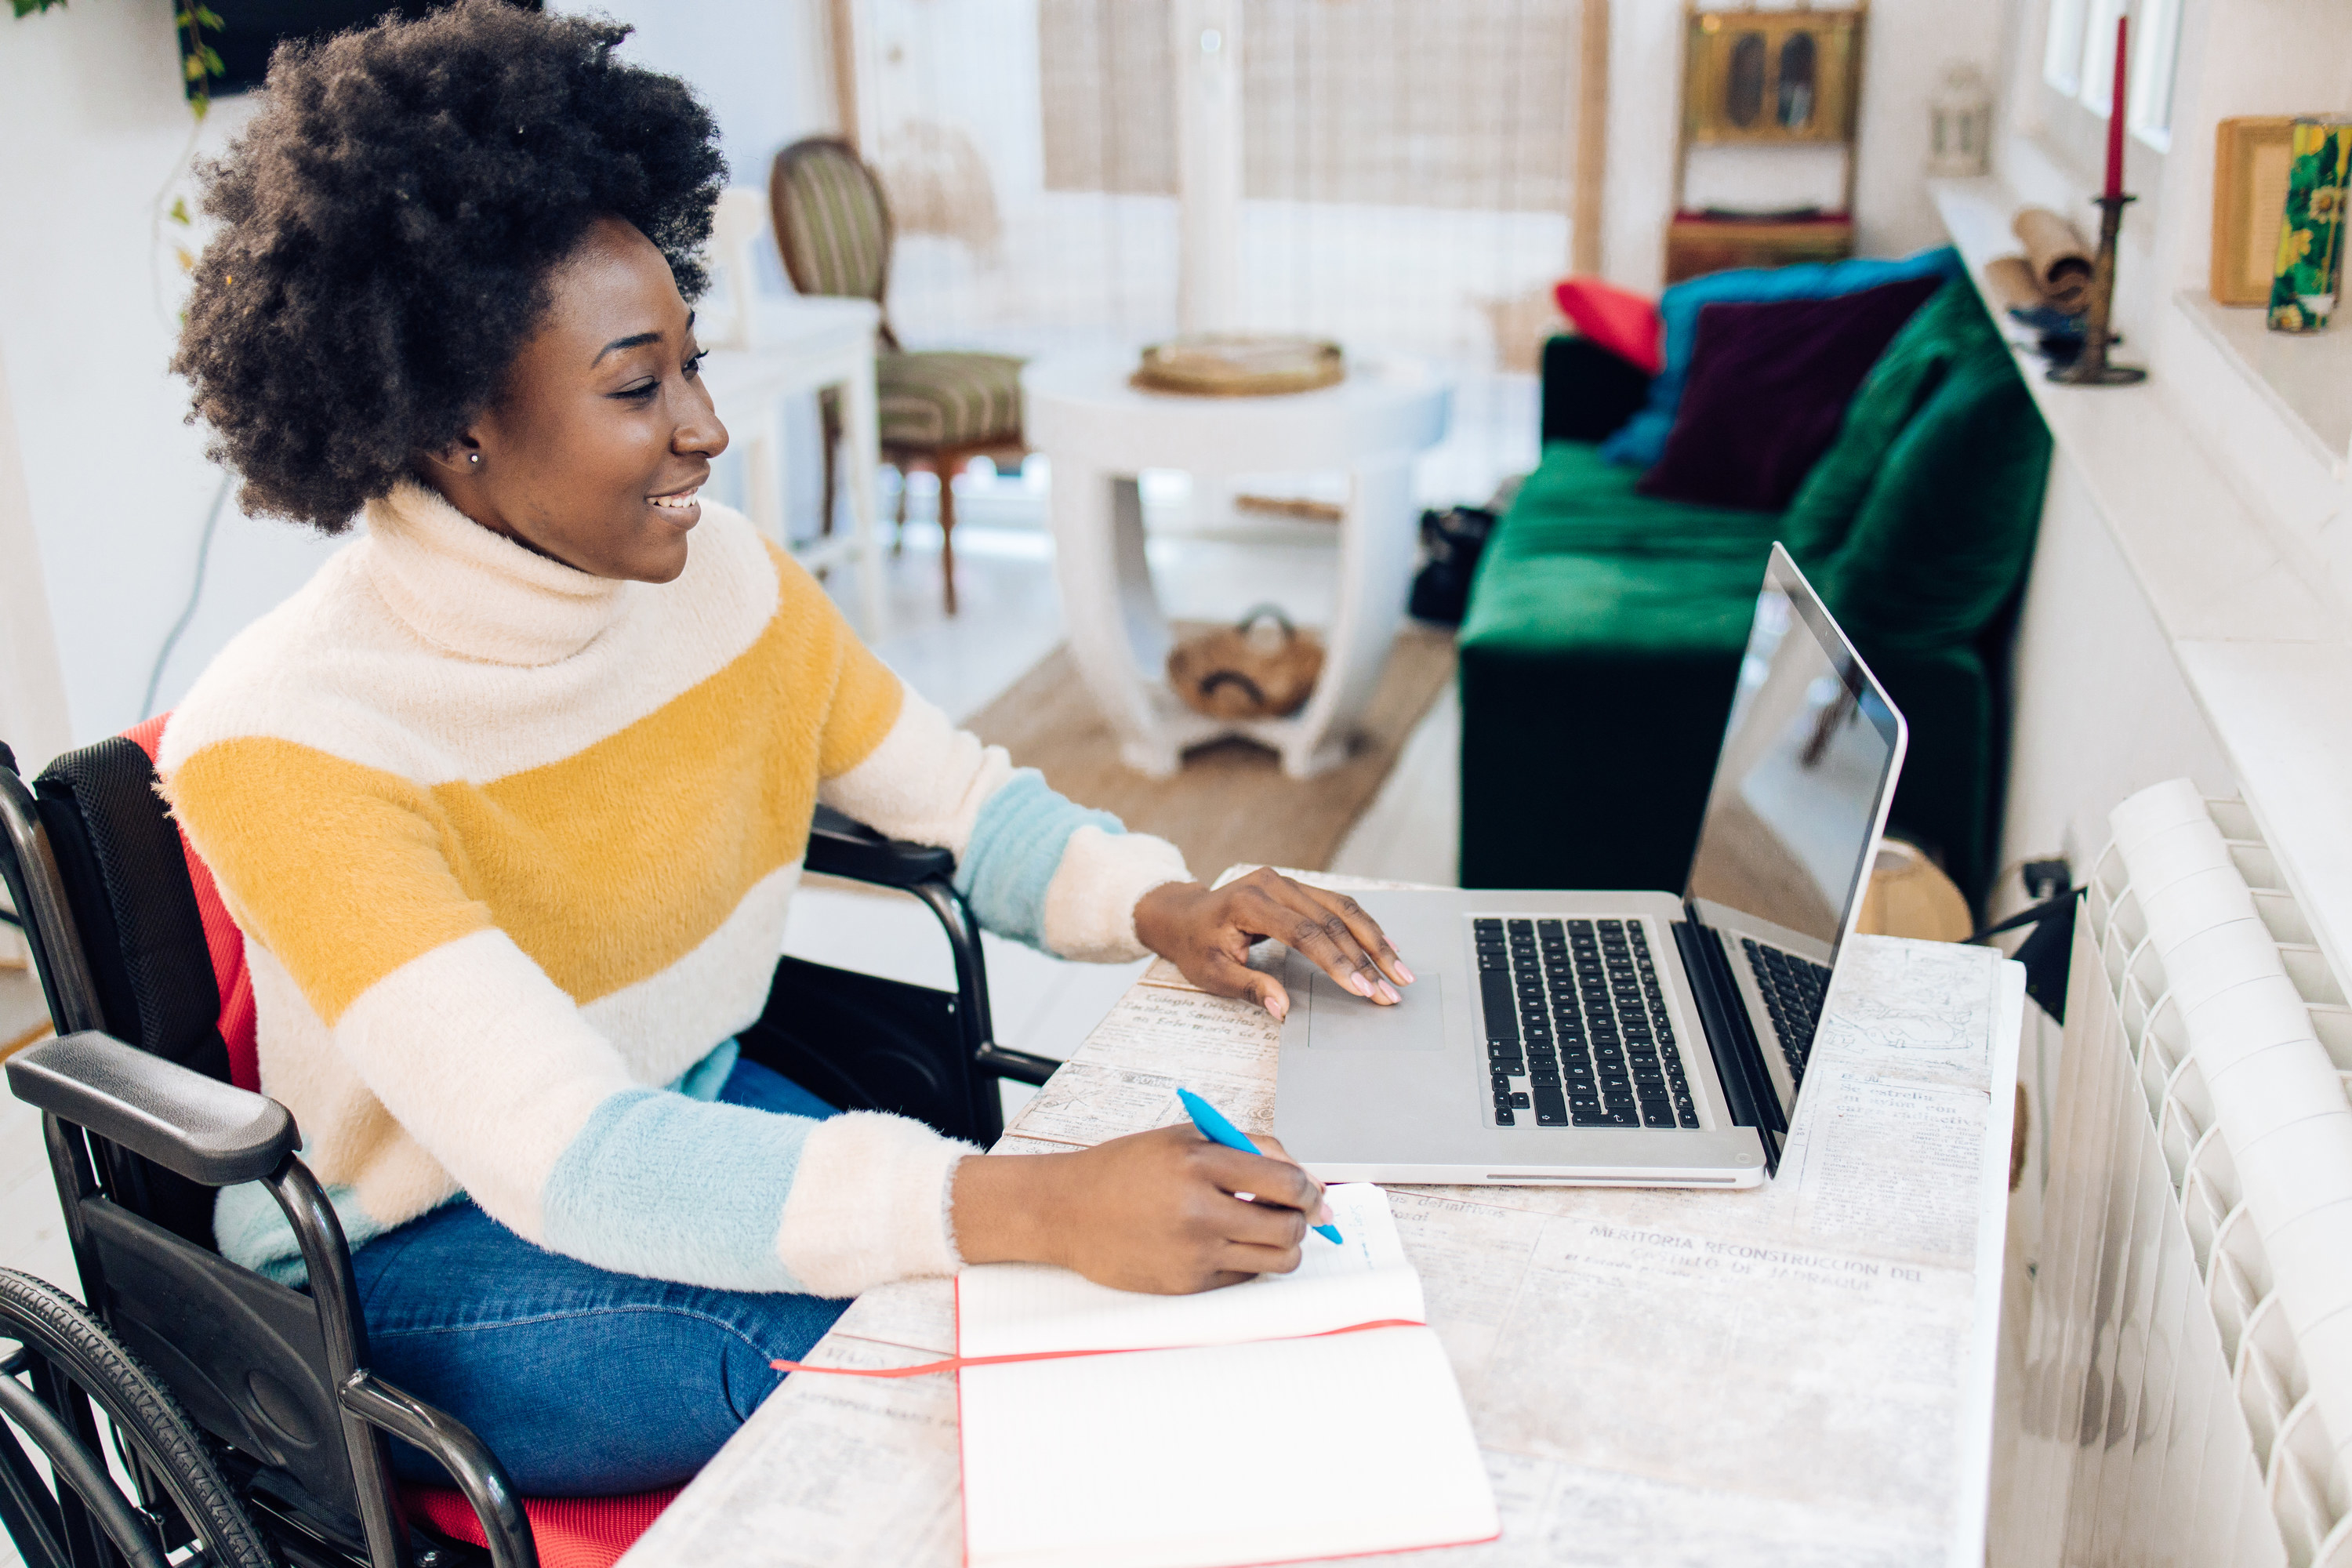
<point x="832" y="438"/>
<point x="899" y="534"/>
<point x="947" y="472"/>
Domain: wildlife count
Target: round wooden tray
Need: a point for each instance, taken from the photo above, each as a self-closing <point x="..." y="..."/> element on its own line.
<point x="1220" y="364"/>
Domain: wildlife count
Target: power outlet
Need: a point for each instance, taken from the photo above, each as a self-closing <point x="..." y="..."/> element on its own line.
<point x="2045" y="879"/>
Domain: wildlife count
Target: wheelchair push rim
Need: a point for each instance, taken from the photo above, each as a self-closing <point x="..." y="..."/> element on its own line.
<point x="68" y="1376"/>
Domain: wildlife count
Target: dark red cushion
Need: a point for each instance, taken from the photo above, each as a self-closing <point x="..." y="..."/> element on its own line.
<point x="1624" y="323"/>
<point x="572" y="1532"/>
<point x="1769" y="387"/>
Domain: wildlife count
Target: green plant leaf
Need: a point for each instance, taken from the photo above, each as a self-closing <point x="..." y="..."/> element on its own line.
<point x="209" y="18"/>
<point x="193" y="67"/>
<point x="179" y="212"/>
<point x="211" y="57"/>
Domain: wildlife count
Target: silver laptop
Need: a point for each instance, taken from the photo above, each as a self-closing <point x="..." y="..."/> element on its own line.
<point x="1622" y="1039"/>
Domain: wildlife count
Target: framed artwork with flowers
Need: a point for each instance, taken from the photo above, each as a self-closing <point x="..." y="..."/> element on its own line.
<point x="2305" y="275"/>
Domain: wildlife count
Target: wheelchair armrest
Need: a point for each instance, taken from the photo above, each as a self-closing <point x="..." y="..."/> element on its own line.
<point x="841" y="846"/>
<point x="208" y="1131"/>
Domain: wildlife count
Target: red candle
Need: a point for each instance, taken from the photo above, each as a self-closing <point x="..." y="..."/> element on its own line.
<point x="2116" y="112"/>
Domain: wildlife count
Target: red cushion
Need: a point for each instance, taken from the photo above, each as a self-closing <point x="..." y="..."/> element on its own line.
<point x="1624" y="323"/>
<point x="231" y="978"/>
<point x="573" y="1531"/>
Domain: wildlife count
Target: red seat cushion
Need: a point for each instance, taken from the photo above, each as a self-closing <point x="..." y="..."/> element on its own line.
<point x="572" y="1532"/>
<point x="222" y="939"/>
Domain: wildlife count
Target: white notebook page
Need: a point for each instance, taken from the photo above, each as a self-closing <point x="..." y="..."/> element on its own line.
<point x="1246" y="1449"/>
<point x="1012" y="1309"/>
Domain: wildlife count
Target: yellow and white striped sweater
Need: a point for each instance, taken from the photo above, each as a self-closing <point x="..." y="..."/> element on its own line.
<point x="512" y="847"/>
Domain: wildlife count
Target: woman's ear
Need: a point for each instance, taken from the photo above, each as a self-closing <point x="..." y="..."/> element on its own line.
<point x="458" y="461"/>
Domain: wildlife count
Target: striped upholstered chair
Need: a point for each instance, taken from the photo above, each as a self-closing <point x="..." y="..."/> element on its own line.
<point x="937" y="409"/>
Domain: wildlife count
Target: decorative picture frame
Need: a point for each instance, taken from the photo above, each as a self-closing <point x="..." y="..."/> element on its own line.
<point x="2253" y="155"/>
<point x="1775" y="77"/>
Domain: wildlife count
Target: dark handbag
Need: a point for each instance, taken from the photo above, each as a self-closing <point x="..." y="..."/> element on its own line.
<point x="1450" y="542"/>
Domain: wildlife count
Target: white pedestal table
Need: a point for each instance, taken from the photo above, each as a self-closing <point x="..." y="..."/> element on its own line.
<point x="1100" y="433"/>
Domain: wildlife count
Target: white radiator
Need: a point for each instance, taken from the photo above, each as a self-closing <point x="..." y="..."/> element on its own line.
<point x="2185" y="1394"/>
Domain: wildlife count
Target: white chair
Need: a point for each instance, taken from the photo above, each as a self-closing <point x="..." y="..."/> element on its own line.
<point x="764" y="350"/>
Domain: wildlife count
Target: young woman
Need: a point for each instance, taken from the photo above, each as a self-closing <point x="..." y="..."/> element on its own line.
<point x="510" y="800"/>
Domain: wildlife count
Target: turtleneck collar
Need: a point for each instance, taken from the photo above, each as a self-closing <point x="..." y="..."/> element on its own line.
<point x="479" y="595"/>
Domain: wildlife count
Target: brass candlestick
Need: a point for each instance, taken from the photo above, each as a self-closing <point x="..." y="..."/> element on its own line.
<point x="2090" y="368"/>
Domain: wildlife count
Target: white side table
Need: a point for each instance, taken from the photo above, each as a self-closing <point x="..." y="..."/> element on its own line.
<point x="1100" y="433"/>
<point x="800" y="345"/>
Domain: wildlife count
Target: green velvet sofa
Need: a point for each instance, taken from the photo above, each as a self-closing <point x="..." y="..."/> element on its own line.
<point x="1605" y="627"/>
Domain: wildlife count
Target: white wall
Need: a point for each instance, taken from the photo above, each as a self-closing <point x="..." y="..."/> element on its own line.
<point x="2101" y="710"/>
<point x="1908" y="45"/>
<point x="116" y="485"/>
<point x="32" y="691"/>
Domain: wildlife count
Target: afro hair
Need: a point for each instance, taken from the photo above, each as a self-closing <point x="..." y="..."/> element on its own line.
<point x="389" y="223"/>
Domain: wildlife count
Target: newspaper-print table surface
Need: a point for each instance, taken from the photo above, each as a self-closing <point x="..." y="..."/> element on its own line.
<point x="1798" y="1374"/>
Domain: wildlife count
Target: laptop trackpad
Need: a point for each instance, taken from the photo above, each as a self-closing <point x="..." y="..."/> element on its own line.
<point x="1339" y="1020"/>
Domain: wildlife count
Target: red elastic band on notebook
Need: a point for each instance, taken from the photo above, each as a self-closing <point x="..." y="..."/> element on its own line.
<point x="956" y="1363"/>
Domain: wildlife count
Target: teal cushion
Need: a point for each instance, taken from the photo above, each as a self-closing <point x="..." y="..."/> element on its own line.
<point x="1641" y="440"/>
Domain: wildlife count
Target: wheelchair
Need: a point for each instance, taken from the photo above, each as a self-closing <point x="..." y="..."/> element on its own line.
<point x="187" y="1410"/>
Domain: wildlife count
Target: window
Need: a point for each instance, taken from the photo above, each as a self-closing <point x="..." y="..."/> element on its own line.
<point x="2078" y="75"/>
<point x="2156" y="63"/>
<point x="2061" y="60"/>
<point x="2078" y="61"/>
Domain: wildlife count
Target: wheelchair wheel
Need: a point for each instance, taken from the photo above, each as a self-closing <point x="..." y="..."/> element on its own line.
<point x="58" y="1361"/>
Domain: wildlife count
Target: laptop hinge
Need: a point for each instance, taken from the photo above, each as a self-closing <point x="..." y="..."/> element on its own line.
<point x="1738" y="1056"/>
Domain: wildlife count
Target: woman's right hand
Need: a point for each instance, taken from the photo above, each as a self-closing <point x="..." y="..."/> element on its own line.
<point x="1153" y="1211"/>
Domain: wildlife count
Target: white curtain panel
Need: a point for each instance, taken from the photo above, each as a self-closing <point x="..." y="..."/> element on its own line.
<point x="1408" y="169"/>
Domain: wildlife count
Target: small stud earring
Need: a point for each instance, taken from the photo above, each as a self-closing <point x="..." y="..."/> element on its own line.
<point x="474" y="457"/>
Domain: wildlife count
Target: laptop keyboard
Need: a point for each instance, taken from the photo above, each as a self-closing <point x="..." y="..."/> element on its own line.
<point x="1577" y="1031"/>
<point x="1792" y="989"/>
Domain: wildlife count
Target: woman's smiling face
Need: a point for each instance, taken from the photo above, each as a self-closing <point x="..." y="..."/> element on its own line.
<point x="601" y="432"/>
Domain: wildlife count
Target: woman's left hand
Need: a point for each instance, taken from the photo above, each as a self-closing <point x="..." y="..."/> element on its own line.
<point x="1207" y="933"/>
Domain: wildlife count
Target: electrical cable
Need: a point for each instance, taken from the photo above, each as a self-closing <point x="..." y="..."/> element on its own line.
<point x="195" y="593"/>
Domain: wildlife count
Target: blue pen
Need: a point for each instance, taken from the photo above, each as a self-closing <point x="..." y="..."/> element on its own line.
<point x="1217" y="1129"/>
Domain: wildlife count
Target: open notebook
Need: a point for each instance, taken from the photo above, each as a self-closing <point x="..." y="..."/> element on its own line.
<point x="1226" y="1437"/>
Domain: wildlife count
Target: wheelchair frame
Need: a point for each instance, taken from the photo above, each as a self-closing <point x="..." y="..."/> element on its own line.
<point x="315" y="1440"/>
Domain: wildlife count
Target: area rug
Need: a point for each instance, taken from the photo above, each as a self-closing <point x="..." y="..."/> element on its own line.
<point x="1231" y="802"/>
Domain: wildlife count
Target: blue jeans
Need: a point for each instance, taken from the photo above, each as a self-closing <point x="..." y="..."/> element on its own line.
<point x="583" y="1382"/>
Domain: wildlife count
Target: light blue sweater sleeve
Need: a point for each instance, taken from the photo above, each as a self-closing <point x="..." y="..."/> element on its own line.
<point x="1016" y="846"/>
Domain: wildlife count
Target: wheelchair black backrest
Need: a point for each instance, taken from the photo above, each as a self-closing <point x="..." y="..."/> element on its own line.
<point x="118" y="853"/>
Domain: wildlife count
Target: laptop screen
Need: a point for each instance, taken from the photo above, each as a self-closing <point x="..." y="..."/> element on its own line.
<point x="1809" y="755"/>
